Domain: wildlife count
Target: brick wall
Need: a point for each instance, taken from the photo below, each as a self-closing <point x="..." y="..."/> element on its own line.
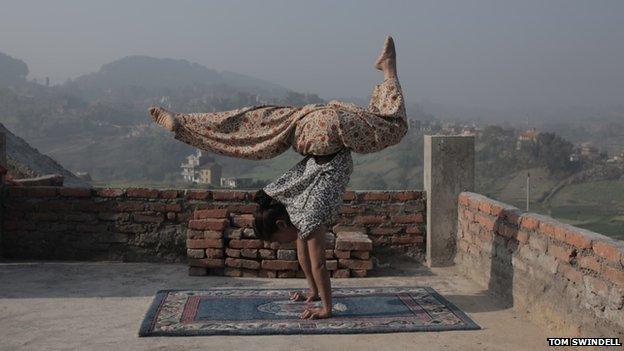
<point x="565" y="277"/>
<point x="150" y="224"/>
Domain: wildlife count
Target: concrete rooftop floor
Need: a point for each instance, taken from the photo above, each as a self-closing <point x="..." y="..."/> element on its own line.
<point x="100" y="305"/>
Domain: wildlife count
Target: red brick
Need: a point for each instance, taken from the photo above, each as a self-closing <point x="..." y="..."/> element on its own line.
<point x="196" y="253"/>
<point x="553" y="230"/>
<point x="147" y="218"/>
<point x="484" y="206"/>
<point x="240" y="263"/>
<point x="529" y="223"/>
<point x="463" y="199"/>
<point x="468" y="215"/>
<point x="208" y="224"/>
<point x="267" y="274"/>
<point x="234" y="253"/>
<point x="280" y="265"/>
<point x="608" y="251"/>
<point x="370" y="219"/>
<point x="246" y="244"/>
<point x="329" y="254"/>
<point x="198" y="194"/>
<point x="359" y="273"/>
<point x="562" y="253"/>
<point x="142" y="193"/>
<point x="232" y="272"/>
<point x="363" y="255"/>
<point x="522" y="237"/>
<point x="274" y="245"/>
<point x="413" y="230"/>
<point x="168" y="194"/>
<point x="244" y="208"/>
<point x="616" y="276"/>
<point x="571" y="273"/>
<point x="75" y="192"/>
<point x="204" y="243"/>
<point x="385" y="230"/>
<point x="173" y="207"/>
<point x="538" y="243"/>
<point x="598" y="285"/>
<point x="342" y="253"/>
<point x="341" y="273"/>
<point x="349" y="195"/>
<point x="486" y="221"/>
<point x="110" y="192"/>
<point x="406" y="239"/>
<point x="347" y="228"/>
<point x="156" y="207"/>
<point x="214" y="253"/>
<point x="245" y="220"/>
<point x="407" y="195"/>
<point x="249" y="273"/>
<point x="351" y="209"/>
<point x="229" y="195"/>
<point x="590" y="262"/>
<point x="374" y="196"/>
<point x="203" y="234"/>
<point x="249" y="253"/>
<point x="130" y="206"/>
<point x="267" y="254"/>
<point x="355" y="264"/>
<point x="577" y="239"/>
<point x="206" y="262"/>
<point x="496" y="210"/>
<point x="360" y="242"/>
<point x="40" y="191"/>
<point x="413" y="218"/>
<point x="213" y="213"/>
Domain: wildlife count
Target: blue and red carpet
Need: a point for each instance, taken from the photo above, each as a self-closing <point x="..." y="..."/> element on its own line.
<point x="238" y="311"/>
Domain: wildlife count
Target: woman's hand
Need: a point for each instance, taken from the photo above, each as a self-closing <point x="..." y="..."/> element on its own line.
<point x="300" y="296"/>
<point x="315" y="313"/>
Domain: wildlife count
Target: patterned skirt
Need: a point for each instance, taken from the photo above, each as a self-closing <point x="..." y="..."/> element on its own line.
<point x="312" y="192"/>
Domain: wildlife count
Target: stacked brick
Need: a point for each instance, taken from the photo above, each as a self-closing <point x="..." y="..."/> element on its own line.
<point x="558" y="272"/>
<point x="220" y="242"/>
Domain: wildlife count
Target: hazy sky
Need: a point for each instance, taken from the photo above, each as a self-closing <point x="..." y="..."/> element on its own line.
<point x="473" y="53"/>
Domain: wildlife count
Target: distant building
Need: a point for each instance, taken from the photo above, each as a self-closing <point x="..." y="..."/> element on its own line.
<point x="202" y="169"/>
<point x="526" y="138"/>
<point x="236" y="182"/>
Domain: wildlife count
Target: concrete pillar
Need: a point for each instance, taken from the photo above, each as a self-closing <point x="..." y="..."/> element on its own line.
<point x="449" y="170"/>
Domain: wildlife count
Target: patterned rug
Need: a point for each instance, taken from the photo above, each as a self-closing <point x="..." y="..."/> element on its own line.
<point x="242" y="311"/>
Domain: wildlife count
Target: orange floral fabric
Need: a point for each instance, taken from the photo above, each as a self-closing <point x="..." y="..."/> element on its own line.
<point x="263" y="132"/>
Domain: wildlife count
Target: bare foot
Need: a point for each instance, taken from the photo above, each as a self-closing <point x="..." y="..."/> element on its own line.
<point x="386" y="61"/>
<point x="165" y="118"/>
<point x="315" y="313"/>
<point x="300" y="296"/>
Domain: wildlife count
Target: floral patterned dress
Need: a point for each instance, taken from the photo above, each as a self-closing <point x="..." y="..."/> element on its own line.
<point x="263" y="132"/>
<point x="312" y="191"/>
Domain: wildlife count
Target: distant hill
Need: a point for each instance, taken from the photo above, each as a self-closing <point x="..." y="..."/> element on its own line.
<point x="157" y="76"/>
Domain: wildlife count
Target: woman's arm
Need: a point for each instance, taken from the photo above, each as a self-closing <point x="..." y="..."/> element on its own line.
<point x="316" y="250"/>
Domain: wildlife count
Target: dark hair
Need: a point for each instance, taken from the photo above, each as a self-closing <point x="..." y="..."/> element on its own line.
<point x="267" y="214"/>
